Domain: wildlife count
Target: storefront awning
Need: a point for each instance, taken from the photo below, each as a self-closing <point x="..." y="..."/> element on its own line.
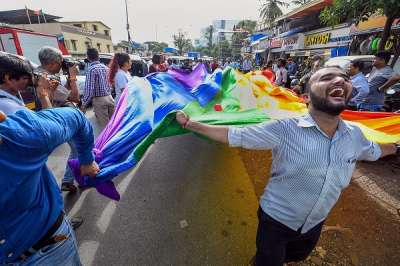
<point x="373" y="25"/>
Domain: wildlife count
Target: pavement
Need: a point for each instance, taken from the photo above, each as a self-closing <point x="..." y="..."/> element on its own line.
<point x="189" y="202"/>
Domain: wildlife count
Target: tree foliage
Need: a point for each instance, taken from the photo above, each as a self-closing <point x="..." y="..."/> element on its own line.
<point x="182" y="42"/>
<point x="156" y="47"/>
<point x="271" y="10"/>
<point x="360" y="10"/>
<point x="224" y="49"/>
<point x="242" y="30"/>
<point x="209" y="36"/>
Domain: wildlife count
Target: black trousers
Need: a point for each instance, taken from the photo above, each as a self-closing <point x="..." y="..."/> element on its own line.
<point x="277" y="243"/>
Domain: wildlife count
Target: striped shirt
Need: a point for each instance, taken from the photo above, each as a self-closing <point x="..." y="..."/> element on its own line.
<point x="309" y="169"/>
<point x="376" y="79"/>
<point x="96" y="84"/>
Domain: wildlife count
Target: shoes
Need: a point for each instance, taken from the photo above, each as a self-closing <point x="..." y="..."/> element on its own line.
<point x="70" y="187"/>
<point x="76" y="222"/>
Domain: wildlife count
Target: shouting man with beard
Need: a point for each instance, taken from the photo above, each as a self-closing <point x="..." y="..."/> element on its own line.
<point x="313" y="160"/>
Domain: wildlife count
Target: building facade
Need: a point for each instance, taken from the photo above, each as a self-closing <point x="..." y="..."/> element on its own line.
<point x="78" y="36"/>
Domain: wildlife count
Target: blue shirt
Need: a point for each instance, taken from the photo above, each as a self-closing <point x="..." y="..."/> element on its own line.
<point x="309" y="169"/>
<point x="96" y="83"/>
<point x="9" y="104"/>
<point x="360" y="89"/>
<point x="292" y="68"/>
<point x="30" y="199"/>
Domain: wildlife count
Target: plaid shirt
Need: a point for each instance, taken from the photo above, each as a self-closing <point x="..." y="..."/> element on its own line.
<point x="96" y="84"/>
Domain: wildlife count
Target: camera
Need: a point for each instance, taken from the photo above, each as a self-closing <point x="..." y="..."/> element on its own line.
<point x="66" y="64"/>
<point x="37" y="74"/>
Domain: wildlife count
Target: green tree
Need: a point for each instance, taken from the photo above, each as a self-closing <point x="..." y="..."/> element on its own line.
<point x="209" y="36"/>
<point x="182" y="42"/>
<point x="156" y="47"/>
<point x="271" y="10"/>
<point x="224" y="49"/>
<point x="359" y="10"/>
<point x="242" y="30"/>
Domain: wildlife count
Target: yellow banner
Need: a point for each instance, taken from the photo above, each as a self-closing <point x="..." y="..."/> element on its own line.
<point x="321" y="38"/>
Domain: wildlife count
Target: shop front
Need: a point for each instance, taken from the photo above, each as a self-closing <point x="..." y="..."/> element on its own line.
<point x="292" y="44"/>
<point x="326" y="42"/>
<point x="366" y="36"/>
<point x="260" y="50"/>
<point x="275" y="47"/>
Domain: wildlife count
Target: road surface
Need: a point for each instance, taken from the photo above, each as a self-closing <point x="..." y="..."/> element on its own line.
<point x="189" y="202"/>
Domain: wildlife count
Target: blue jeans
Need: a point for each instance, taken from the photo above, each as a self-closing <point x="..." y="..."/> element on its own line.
<point x="69" y="176"/>
<point x="61" y="253"/>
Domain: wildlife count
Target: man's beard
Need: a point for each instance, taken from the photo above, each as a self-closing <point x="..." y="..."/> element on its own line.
<point x="325" y="106"/>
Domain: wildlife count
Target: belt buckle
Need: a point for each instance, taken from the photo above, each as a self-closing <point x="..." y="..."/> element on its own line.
<point x="59" y="238"/>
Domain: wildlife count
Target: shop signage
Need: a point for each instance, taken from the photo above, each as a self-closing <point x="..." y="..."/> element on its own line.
<point x="328" y="38"/>
<point x="275" y="43"/>
<point x="263" y="45"/>
<point x="293" y="43"/>
<point x="315" y="39"/>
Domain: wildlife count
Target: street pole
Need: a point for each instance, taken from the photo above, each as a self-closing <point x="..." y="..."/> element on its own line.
<point x="127" y="27"/>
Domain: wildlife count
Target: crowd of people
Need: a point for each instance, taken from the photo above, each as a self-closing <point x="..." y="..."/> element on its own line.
<point x="368" y="93"/>
<point x="32" y="218"/>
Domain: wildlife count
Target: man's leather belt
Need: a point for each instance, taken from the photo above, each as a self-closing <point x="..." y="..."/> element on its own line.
<point x="47" y="239"/>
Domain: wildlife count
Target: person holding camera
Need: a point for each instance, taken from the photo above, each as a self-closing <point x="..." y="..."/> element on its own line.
<point x="52" y="63"/>
<point x="16" y="76"/>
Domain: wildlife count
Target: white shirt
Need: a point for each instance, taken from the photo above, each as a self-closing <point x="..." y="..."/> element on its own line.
<point x="281" y="76"/>
<point x="120" y="82"/>
<point x="309" y="170"/>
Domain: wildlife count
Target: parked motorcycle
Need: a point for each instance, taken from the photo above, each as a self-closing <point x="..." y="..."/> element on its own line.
<point x="392" y="99"/>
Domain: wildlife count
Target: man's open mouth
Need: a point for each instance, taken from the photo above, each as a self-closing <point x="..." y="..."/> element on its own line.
<point x="337" y="93"/>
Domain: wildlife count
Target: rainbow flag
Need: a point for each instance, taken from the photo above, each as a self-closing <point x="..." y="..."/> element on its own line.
<point x="146" y="111"/>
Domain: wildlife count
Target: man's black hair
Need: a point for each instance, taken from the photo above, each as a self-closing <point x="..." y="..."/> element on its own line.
<point x="92" y="54"/>
<point x="385" y="55"/>
<point x="14" y="66"/>
<point x="307" y="86"/>
<point x="156" y="59"/>
<point x="282" y="61"/>
<point x="358" y="64"/>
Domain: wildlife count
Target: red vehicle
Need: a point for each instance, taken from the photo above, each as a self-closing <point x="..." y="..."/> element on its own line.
<point x="27" y="43"/>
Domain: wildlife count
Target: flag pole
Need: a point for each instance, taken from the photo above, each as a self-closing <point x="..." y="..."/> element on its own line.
<point x="27" y="14"/>
<point x="44" y="17"/>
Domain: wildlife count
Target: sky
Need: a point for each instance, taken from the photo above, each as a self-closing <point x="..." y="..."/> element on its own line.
<point x="150" y="20"/>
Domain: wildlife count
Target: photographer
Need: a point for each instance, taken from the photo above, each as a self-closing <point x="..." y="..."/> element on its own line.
<point x="16" y="76"/>
<point x="52" y="62"/>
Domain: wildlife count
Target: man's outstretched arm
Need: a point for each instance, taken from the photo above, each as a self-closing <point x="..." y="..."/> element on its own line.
<point x="217" y="133"/>
<point x="38" y="134"/>
<point x="257" y="137"/>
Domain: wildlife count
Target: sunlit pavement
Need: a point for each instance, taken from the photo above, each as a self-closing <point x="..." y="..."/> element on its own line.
<point x="189" y="202"/>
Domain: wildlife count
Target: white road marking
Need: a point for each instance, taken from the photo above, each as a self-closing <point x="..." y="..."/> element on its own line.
<point x="87" y="251"/>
